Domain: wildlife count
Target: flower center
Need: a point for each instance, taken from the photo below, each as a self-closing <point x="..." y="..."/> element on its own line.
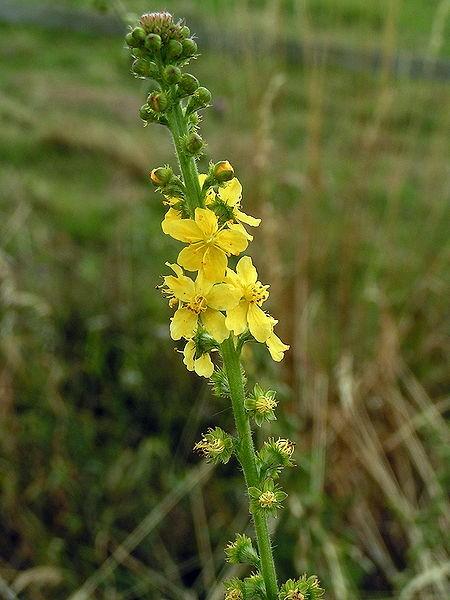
<point x="267" y="499"/>
<point x="256" y="293"/>
<point x="295" y="595"/>
<point x="285" y="446"/>
<point x="198" y="304"/>
<point x="265" y="404"/>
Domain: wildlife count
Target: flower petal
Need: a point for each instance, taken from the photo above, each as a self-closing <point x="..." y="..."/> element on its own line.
<point x="188" y="355"/>
<point x="183" y="324"/>
<point x="204" y="366"/>
<point x="231" y="240"/>
<point x="231" y="192"/>
<point x="182" y="287"/>
<point x="214" y="264"/>
<point x="171" y="215"/>
<point x="184" y="230"/>
<point x="248" y="219"/>
<point x="276" y="347"/>
<point x="246" y="271"/>
<point x="206" y="220"/>
<point x="259" y="323"/>
<point x="224" y="296"/>
<point x="191" y="257"/>
<point x="214" y="321"/>
<point x="236" y="319"/>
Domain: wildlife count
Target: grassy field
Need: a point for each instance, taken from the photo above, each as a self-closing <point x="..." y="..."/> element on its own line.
<point x="349" y="171"/>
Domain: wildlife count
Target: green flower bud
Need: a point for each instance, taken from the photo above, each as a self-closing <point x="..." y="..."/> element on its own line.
<point x="138" y="34"/>
<point x="223" y="171"/>
<point x="158" y="101"/>
<point x="129" y="39"/>
<point x="185" y="31"/>
<point x="194" y="143"/>
<point x="241" y="551"/>
<point x="146" y="113"/>
<point x="161" y="176"/>
<point x="204" y="96"/>
<point x="216" y="446"/>
<point x="188" y="84"/>
<point x="172" y="74"/>
<point x="189" y="47"/>
<point x="174" y="49"/>
<point x="139" y="52"/>
<point x="142" y="68"/>
<point x="153" y="42"/>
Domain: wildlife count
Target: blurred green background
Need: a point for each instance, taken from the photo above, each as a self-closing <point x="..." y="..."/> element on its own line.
<point x="335" y="115"/>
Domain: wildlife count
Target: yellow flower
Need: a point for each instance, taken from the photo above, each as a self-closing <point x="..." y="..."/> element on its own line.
<point x="203" y="365"/>
<point x="209" y="246"/>
<point x="231" y="194"/>
<point x="248" y="311"/>
<point x="199" y="300"/>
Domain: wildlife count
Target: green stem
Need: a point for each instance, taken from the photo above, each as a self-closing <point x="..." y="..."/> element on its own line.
<point x="178" y="128"/>
<point x="247" y="459"/>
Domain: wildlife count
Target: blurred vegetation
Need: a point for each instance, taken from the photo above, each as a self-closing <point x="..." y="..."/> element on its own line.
<point x="349" y="171"/>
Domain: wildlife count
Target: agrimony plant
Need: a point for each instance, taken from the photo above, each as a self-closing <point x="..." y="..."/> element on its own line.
<point x="217" y="309"/>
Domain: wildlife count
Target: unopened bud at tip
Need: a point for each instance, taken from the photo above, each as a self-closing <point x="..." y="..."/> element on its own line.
<point x="161" y="176"/>
<point x="223" y="171"/>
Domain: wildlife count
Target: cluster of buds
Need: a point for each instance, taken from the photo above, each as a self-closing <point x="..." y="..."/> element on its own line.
<point x="241" y="551"/>
<point x="305" y="588"/>
<point x="161" y="47"/>
<point x="250" y="588"/>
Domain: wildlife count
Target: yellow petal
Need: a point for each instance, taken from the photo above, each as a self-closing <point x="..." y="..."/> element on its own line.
<point x="191" y="257"/>
<point x="206" y="220"/>
<point x="224" y="296"/>
<point x="241" y="228"/>
<point x="171" y="215"/>
<point x="231" y="192"/>
<point x="276" y="347"/>
<point x="236" y="319"/>
<point x="231" y="240"/>
<point x="246" y="271"/>
<point x="188" y="355"/>
<point x="184" y="230"/>
<point x="202" y="178"/>
<point x="183" y="324"/>
<point x="204" y="366"/>
<point x="202" y="284"/>
<point x="232" y="278"/>
<point x="214" y="321"/>
<point x="259" y="323"/>
<point x="175" y="268"/>
<point x="248" y="219"/>
<point x="182" y="287"/>
<point x="214" y="264"/>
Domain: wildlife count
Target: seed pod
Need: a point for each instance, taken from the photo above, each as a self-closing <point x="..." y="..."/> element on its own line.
<point x="158" y="101"/>
<point x="189" y="47"/>
<point x="153" y="42"/>
<point x="194" y="143"/>
<point x="188" y="84"/>
<point x="172" y="74"/>
<point x="138" y="34"/>
<point x="174" y="49"/>
<point x="161" y="176"/>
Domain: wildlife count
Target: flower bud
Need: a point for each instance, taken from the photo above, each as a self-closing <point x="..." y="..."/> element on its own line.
<point x="138" y="34"/>
<point x="223" y="171"/>
<point x="146" y="113"/>
<point x="188" y="84"/>
<point x="161" y="176"/>
<point x="185" y="31"/>
<point x="158" y="101"/>
<point x="174" y="49"/>
<point x="153" y="42"/>
<point x="189" y="47"/>
<point x="129" y="39"/>
<point x="204" y="96"/>
<point x="142" y="68"/>
<point x="194" y="143"/>
<point x="172" y="74"/>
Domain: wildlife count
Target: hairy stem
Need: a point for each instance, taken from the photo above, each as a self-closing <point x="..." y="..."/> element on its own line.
<point x="247" y="458"/>
<point x="178" y="128"/>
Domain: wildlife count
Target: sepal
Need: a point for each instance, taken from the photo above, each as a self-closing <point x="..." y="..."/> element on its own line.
<point x="241" y="551"/>
<point x="216" y="446"/>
